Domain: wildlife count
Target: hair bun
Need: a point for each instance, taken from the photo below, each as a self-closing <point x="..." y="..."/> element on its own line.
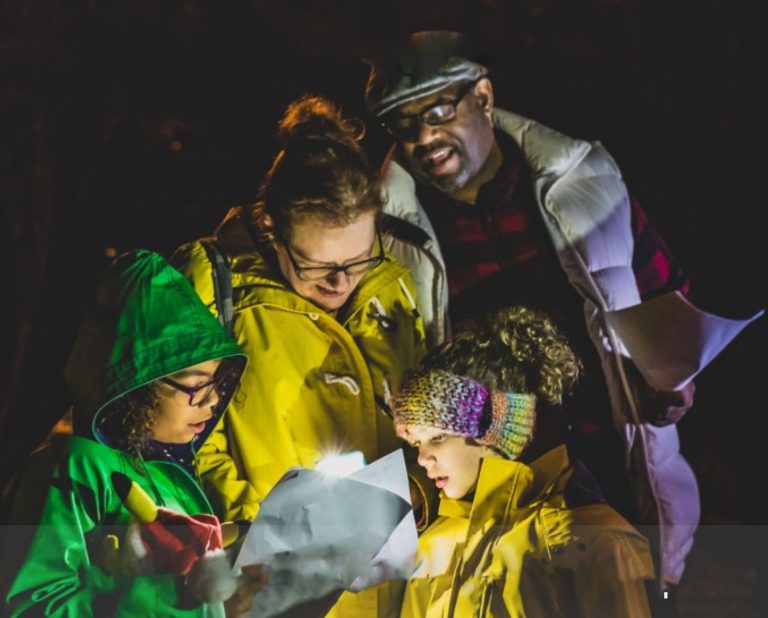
<point x="315" y="117"/>
<point x="530" y="340"/>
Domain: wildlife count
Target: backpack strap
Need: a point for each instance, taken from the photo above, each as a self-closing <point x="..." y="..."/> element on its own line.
<point x="222" y="283"/>
<point x="403" y="230"/>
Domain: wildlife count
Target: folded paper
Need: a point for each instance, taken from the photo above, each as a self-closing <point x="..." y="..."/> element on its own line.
<point x="670" y="340"/>
<point x="317" y="533"/>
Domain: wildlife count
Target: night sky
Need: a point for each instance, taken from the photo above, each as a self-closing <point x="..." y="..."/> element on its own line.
<point x="137" y="124"/>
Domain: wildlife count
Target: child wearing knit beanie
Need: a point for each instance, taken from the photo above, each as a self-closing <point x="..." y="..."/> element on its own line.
<point x="511" y="538"/>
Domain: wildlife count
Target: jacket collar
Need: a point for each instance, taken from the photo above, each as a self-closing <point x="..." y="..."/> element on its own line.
<point x="504" y="485"/>
<point x="547" y="152"/>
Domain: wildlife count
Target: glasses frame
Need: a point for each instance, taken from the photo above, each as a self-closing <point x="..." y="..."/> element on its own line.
<point x="422" y="116"/>
<point x="192" y="391"/>
<point x="372" y="263"/>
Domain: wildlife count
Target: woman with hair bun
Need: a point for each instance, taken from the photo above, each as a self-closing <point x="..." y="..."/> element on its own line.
<point x="325" y="315"/>
<point x="513" y="537"/>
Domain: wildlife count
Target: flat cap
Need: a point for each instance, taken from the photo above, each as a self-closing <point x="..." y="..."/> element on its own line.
<point x="427" y="62"/>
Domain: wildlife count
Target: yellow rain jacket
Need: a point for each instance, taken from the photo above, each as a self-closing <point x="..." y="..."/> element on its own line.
<point x="314" y="385"/>
<point x="517" y="549"/>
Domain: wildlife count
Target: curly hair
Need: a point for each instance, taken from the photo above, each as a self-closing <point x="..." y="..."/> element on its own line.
<point x="128" y="421"/>
<point x="321" y="170"/>
<point x="519" y="349"/>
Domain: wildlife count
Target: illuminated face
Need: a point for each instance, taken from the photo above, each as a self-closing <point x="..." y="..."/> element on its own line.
<point x="178" y="421"/>
<point x="315" y="245"/>
<point x="453" y="157"/>
<point x="451" y="461"/>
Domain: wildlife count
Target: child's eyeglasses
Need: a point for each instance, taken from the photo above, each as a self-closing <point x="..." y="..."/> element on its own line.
<point x="198" y="395"/>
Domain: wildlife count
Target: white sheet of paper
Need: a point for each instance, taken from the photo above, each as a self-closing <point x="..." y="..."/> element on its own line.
<point x="670" y="340"/>
<point x="317" y="533"/>
<point x="393" y="561"/>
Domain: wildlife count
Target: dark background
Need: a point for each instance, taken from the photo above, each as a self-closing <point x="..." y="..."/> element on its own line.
<point x="136" y="124"/>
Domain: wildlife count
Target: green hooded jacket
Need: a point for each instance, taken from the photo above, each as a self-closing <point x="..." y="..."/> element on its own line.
<point x="147" y="322"/>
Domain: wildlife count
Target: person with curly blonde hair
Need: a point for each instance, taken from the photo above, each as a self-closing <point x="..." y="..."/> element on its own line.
<point x="515" y="536"/>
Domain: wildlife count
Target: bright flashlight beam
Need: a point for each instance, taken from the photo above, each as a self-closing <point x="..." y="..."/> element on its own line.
<point x="342" y="464"/>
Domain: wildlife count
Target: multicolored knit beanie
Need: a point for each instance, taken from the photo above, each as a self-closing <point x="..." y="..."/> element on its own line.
<point x="462" y="406"/>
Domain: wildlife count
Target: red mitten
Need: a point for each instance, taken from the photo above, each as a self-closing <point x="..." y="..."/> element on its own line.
<point x="175" y="541"/>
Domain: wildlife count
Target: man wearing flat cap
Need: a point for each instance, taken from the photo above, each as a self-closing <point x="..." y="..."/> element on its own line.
<point x="491" y="209"/>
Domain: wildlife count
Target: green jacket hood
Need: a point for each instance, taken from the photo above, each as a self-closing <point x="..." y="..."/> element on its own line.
<point x="145" y="323"/>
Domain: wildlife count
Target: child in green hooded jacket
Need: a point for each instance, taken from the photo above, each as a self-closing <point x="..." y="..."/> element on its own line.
<point x="151" y="373"/>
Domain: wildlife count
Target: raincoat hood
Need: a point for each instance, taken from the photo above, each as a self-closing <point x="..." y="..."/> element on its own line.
<point x="146" y="322"/>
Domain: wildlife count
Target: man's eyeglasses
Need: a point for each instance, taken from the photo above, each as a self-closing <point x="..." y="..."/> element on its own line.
<point x="317" y="273"/>
<point x="407" y="127"/>
<point x="198" y="395"/>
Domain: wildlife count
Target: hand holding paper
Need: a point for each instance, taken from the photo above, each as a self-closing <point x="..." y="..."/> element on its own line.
<point x="317" y="533"/>
<point x="670" y="340"/>
<point x="661" y="408"/>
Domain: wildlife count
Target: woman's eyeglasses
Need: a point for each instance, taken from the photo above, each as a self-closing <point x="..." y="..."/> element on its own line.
<point x="353" y="269"/>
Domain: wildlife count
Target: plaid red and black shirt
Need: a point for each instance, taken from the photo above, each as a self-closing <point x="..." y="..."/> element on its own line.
<point x="498" y="253"/>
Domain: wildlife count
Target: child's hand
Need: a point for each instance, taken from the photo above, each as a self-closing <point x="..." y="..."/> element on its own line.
<point x="253" y="578"/>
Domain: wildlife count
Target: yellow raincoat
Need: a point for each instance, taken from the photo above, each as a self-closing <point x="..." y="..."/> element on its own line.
<point x="313" y="386"/>
<point x="517" y="549"/>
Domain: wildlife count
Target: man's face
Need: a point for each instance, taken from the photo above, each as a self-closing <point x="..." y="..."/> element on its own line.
<point x="450" y="156"/>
